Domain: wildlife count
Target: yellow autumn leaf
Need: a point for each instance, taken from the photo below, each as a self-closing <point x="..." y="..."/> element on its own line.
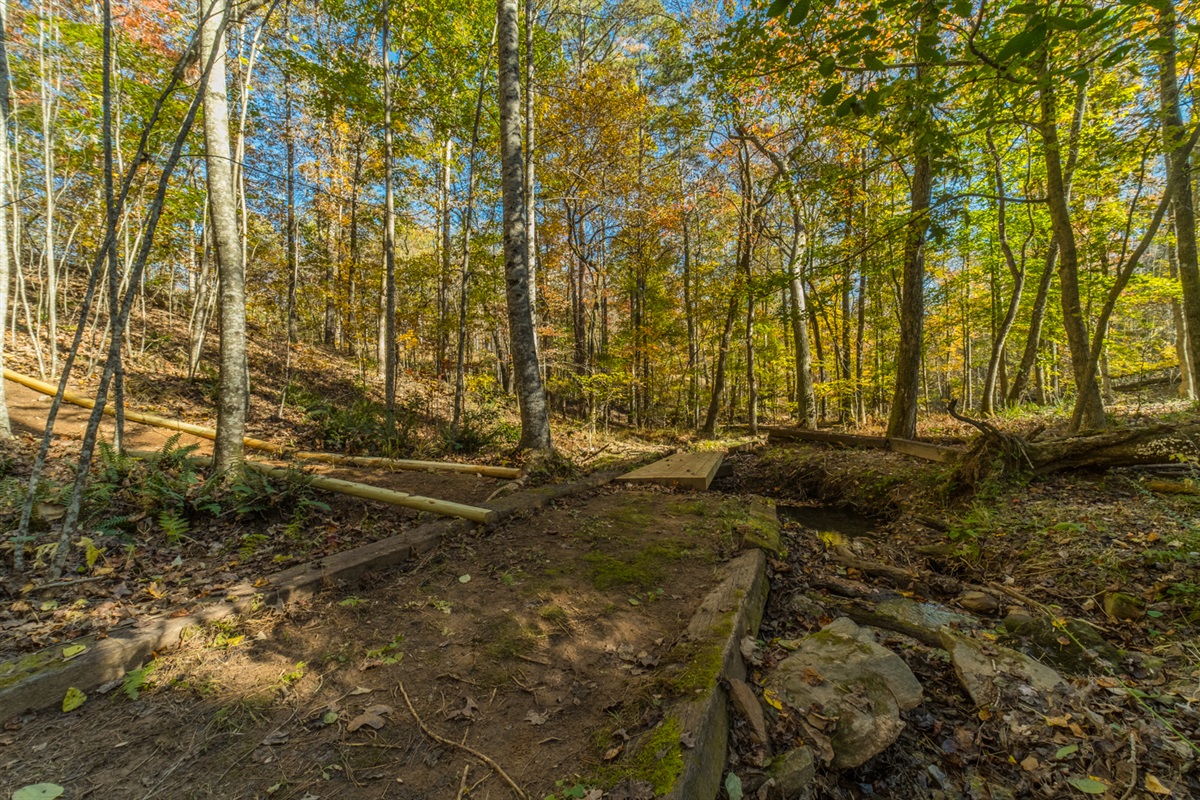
<point x="1156" y="786"/>
<point x="772" y="700"/>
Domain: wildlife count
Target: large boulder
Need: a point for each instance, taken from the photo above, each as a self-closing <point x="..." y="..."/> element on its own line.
<point x="841" y="673"/>
<point x="987" y="670"/>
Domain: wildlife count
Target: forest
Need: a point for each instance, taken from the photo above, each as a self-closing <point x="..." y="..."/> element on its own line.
<point x="929" y="267"/>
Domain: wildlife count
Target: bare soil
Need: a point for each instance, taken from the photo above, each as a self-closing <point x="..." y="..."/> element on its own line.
<point x="540" y="644"/>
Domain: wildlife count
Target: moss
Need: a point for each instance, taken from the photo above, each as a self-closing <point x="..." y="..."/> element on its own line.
<point x="511" y="640"/>
<point x="643" y="569"/>
<point x="702" y="662"/>
<point x="17" y="670"/>
<point x="659" y="759"/>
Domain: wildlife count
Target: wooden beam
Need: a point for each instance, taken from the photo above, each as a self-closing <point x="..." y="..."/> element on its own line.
<point x="686" y="470"/>
<point x="925" y="450"/>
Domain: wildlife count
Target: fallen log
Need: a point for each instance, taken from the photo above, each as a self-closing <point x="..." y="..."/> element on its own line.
<point x="265" y="446"/>
<point x="1124" y="447"/>
<point x="446" y="508"/>
<point x="911" y="447"/>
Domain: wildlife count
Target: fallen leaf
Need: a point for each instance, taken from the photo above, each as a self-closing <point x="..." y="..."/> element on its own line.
<point x="72" y="651"/>
<point x="38" y="791"/>
<point x="812" y="677"/>
<point x="371" y="717"/>
<point x="772" y="700"/>
<point x="466" y="712"/>
<point x="535" y="718"/>
<point x="1088" y="785"/>
<point x="688" y="740"/>
<point x="1063" y="752"/>
<point x="1030" y="763"/>
<point x="276" y="738"/>
<point x="73" y="699"/>
<point x="360" y="690"/>
<point x="613" y="752"/>
<point x="329" y="717"/>
<point x="1153" y="784"/>
<point x="464" y="578"/>
<point x="733" y="786"/>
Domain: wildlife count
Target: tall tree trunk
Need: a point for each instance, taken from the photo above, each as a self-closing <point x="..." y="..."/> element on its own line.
<point x="1016" y="270"/>
<point x="535" y="420"/>
<point x="902" y="423"/>
<point x="689" y="310"/>
<point x="389" y="229"/>
<point x="293" y="254"/>
<point x="110" y="230"/>
<point x="465" y="255"/>
<point x="5" y="211"/>
<point x="1187" y="386"/>
<point x="48" y="94"/>
<point x="1089" y="406"/>
<point x="443" y="326"/>
<point x="233" y="396"/>
<point x="530" y="184"/>
<point x="1185" y="214"/>
<point x="718" y="385"/>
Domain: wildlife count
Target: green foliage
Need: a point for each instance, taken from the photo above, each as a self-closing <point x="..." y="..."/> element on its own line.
<point x="360" y="426"/>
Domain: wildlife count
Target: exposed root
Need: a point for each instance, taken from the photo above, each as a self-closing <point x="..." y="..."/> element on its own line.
<point x="450" y="743"/>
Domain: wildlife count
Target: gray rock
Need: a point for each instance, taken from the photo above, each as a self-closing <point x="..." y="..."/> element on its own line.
<point x="985" y="669"/>
<point x="921" y="621"/>
<point x="745" y="702"/>
<point x="842" y="673"/>
<point x="1125" y="607"/>
<point x="979" y="602"/>
<point x="793" y="772"/>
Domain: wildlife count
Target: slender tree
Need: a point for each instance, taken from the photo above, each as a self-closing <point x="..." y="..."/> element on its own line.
<point x="535" y="420"/>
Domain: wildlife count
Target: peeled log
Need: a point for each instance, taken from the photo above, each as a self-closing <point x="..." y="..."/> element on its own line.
<point x="269" y="447"/>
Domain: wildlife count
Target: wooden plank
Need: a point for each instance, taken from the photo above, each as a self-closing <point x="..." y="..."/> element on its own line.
<point x="826" y="437"/>
<point x="686" y="470"/>
<point x="929" y="452"/>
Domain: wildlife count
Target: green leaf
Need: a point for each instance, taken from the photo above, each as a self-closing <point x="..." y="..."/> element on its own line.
<point x="830" y="95"/>
<point x="799" y="12"/>
<point x="826" y="67"/>
<point x="1088" y="785"/>
<point x="1024" y="42"/>
<point x="778" y="8"/>
<point x="962" y="8"/>
<point x="329" y="717"/>
<point x="72" y="651"/>
<point x="1063" y="752"/>
<point x="1152" y="613"/>
<point x="464" y="578"/>
<point x="733" y="787"/>
<point x="73" y="699"/>
<point x="872" y="61"/>
<point x="38" y="791"/>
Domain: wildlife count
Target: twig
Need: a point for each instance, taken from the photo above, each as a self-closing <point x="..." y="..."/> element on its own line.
<point x="462" y="785"/>
<point x="532" y="660"/>
<point x="60" y="584"/>
<point x="1132" y="763"/>
<point x="463" y="747"/>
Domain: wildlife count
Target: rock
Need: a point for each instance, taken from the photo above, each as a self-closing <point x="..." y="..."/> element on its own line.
<point x="944" y="550"/>
<point x="1078" y="648"/>
<point x="1017" y="619"/>
<point x="793" y="772"/>
<point x="745" y="702"/>
<point x="1119" y="605"/>
<point x="843" y="674"/>
<point x="921" y="621"/>
<point x="804" y="607"/>
<point x="979" y="602"/>
<point x="986" y="669"/>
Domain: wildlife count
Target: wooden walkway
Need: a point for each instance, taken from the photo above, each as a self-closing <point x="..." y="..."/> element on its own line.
<point x="685" y="470"/>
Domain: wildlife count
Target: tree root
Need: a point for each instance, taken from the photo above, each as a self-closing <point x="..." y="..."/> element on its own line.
<point x="449" y="743"/>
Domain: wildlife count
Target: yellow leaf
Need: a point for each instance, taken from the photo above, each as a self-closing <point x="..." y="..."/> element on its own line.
<point x="1153" y="784"/>
<point x="73" y="699"/>
<point x="72" y="651"/>
<point x="772" y="700"/>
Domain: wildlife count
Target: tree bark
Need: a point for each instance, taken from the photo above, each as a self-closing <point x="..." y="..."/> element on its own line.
<point x="5" y="210"/>
<point x="1089" y="406"/>
<point x="535" y="420"/>
<point x="718" y="384"/>
<point x="1185" y="214"/>
<point x="389" y="230"/>
<point x="234" y="393"/>
<point x="987" y="403"/>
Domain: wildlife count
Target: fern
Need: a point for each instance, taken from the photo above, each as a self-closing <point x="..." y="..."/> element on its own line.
<point x="173" y="525"/>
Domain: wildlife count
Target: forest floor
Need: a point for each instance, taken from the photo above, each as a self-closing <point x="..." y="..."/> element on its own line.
<point x="540" y="642"/>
